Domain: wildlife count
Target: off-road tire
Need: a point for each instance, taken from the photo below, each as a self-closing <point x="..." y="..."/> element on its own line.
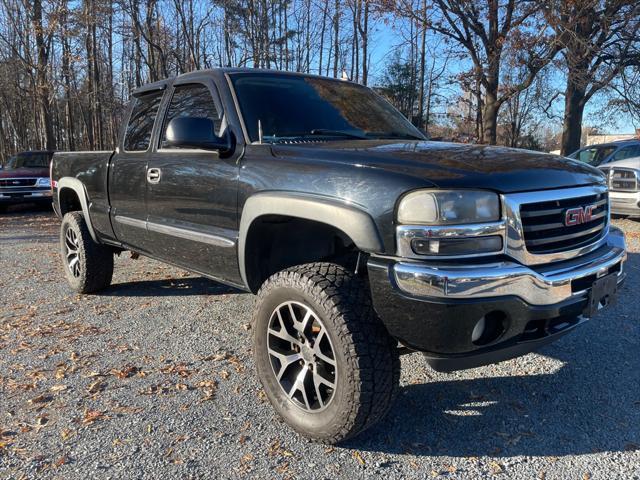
<point x="95" y="261"/>
<point x="367" y="357"/>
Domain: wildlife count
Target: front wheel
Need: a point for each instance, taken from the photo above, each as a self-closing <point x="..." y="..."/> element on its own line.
<point x="88" y="266"/>
<point x="327" y="364"/>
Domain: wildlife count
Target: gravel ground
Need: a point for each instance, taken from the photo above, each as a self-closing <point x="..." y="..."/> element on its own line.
<point x="154" y="378"/>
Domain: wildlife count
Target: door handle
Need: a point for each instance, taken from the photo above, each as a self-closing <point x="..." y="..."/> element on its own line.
<point x="153" y="175"/>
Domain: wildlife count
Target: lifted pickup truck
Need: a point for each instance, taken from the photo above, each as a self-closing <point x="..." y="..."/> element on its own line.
<point x="362" y="239"/>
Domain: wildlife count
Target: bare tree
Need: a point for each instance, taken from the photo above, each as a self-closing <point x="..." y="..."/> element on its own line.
<point x="485" y="29"/>
<point x="600" y="41"/>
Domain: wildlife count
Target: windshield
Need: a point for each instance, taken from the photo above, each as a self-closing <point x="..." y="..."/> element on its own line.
<point x="289" y="106"/>
<point x="29" y="160"/>
<point x="593" y="155"/>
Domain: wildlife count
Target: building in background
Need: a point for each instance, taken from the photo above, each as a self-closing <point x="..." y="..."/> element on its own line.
<point x="614" y="137"/>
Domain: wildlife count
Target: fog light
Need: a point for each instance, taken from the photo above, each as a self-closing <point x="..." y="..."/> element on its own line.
<point x="489" y="328"/>
<point x="457" y="246"/>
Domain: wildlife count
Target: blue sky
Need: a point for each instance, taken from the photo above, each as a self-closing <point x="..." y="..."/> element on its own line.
<point x="386" y="39"/>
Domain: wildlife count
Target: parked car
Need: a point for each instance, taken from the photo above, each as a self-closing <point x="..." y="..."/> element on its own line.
<point x="361" y="239"/>
<point x="623" y="178"/>
<point x="607" y="152"/>
<point x="25" y="179"/>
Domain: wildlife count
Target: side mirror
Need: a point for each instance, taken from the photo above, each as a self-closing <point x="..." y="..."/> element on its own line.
<point x="196" y="132"/>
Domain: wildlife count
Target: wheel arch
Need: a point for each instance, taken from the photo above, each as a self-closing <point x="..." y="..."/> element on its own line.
<point x="72" y="196"/>
<point x="327" y="216"/>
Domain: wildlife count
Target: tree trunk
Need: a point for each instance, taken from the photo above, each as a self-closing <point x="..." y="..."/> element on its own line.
<point x="491" y="102"/>
<point x="66" y="76"/>
<point x="423" y="54"/>
<point x="365" y="43"/>
<point x="322" y="33"/>
<point x="490" y="119"/>
<point x="573" y="111"/>
<point x="42" y="83"/>
<point x="336" y="38"/>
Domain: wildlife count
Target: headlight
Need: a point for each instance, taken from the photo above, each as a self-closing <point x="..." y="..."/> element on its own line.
<point x="44" y="182"/>
<point x="448" y="207"/>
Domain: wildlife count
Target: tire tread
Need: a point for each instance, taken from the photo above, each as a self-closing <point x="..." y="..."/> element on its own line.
<point x="372" y="352"/>
<point x="97" y="261"/>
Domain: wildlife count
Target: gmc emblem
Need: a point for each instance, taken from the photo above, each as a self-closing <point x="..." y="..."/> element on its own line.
<point x="578" y="216"/>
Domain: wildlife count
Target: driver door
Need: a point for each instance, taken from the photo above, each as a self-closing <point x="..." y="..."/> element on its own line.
<point x="192" y="193"/>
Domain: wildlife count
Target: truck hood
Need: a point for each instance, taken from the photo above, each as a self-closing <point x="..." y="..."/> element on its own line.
<point x="24" y="172"/>
<point x="451" y="165"/>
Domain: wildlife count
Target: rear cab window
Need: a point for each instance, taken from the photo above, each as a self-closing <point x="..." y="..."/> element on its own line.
<point x="143" y="115"/>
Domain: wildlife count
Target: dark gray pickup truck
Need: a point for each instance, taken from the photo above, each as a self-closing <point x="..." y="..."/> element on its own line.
<point x="362" y="239"/>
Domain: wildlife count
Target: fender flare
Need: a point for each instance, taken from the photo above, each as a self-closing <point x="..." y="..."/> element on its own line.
<point x="78" y="187"/>
<point x="348" y="218"/>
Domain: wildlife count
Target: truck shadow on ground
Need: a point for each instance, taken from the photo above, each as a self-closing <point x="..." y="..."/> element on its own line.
<point x="586" y="399"/>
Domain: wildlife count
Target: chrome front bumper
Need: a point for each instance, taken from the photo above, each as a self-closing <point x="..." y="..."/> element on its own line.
<point x="536" y="285"/>
<point x="624" y="203"/>
<point x="24" y="194"/>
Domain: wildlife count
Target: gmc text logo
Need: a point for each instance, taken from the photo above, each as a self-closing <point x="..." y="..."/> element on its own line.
<point x="578" y="216"/>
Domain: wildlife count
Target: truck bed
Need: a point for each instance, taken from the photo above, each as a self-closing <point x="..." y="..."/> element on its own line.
<point x="92" y="169"/>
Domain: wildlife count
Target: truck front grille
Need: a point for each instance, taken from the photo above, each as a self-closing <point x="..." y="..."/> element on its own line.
<point x="622" y="180"/>
<point x="547" y="230"/>
<point x="17" y="182"/>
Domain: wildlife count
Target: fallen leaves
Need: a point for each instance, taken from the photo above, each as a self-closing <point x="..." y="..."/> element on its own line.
<point x="43" y="398"/>
<point x="179" y="369"/>
<point x="96" y="387"/>
<point x="276" y="449"/>
<point x="126" y="372"/>
<point x="6" y="438"/>
<point x="495" y="468"/>
<point x="61" y="371"/>
<point x="209" y="389"/>
<point x="91" y="416"/>
<point x="229" y="357"/>
<point x="262" y="395"/>
<point x="358" y="457"/>
<point x="160" y="389"/>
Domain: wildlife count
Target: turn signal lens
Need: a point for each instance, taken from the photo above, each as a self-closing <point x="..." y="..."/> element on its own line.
<point x="457" y="246"/>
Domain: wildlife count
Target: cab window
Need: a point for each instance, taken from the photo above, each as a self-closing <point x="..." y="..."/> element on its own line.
<point x="191" y="100"/>
<point x="593" y="155"/>
<point x="627" y="152"/>
<point x="138" y="135"/>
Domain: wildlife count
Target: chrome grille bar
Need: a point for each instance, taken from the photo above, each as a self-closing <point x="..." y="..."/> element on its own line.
<point x="536" y="231"/>
<point x="17" y="182"/>
<point x="622" y="179"/>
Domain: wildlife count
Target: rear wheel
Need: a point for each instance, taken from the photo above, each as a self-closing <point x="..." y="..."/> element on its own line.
<point x="88" y="266"/>
<point x="327" y="363"/>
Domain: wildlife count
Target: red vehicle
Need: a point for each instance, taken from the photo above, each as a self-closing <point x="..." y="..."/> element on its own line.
<point x="25" y="179"/>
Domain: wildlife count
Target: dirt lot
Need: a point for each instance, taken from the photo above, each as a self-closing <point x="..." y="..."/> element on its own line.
<point x="154" y="378"/>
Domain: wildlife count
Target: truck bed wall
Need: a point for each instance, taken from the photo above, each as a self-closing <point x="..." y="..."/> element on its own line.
<point x="91" y="168"/>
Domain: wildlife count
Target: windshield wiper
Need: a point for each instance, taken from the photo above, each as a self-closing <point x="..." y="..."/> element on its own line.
<point x="341" y="133"/>
<point x="393" y="135"/>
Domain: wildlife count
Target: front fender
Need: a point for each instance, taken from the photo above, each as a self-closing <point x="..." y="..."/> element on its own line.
<point x="348" y="218"/>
